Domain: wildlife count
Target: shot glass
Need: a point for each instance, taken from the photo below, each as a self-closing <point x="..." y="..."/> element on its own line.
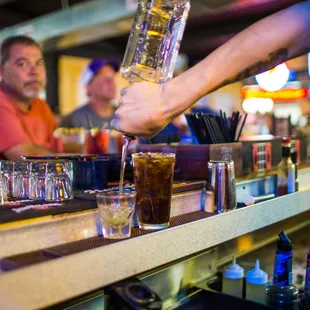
<point x="153" y="175"/>
<point x="116" y="210"/>
<point x="58" y="182"/>
<point x="38" y="172"/>
<point x="21" y="172"/>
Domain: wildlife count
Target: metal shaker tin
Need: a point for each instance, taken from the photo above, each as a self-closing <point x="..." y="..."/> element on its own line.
<point x="221" y="178"/>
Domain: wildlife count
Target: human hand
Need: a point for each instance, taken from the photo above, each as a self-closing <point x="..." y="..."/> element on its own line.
<point x="143" y="110"/>
<point x="181" y="123"/>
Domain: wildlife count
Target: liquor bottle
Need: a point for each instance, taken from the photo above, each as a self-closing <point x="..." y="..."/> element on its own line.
<point x="154" y="40"/>
<point x="281" y="293"/>
<point x="294" y="157"/>
<point x="286" y="170"/>
<point x="304" y="299"/>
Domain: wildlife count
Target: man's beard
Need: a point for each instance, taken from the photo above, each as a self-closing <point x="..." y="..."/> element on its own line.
<point x="21" y="94"/>
<point x="31" y="93"/>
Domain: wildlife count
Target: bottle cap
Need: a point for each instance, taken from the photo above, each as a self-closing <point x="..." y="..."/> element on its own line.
<point x="284" y="244"/>
<point x="286" y="140"/>
<point x="257" y="275"/>
<point x="234" y="271"/>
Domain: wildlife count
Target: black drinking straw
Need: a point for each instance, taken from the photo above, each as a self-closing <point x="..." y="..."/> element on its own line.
<point x="226" y="128"/>
<point x="241" y="128"/>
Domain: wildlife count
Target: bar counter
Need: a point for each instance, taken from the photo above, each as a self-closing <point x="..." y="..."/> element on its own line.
<point x="56" y="280"/>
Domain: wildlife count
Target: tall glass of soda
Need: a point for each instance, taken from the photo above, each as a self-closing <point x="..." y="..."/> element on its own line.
<point x="153" y="175"/>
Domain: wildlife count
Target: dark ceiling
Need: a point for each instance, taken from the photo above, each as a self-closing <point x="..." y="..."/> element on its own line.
<point x="17" y="11"/>
<point x="202" y="35"/>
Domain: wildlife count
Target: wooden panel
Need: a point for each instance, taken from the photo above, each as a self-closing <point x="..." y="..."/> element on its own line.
<point x="70" y="89"/>
<point x="192" y="160"/>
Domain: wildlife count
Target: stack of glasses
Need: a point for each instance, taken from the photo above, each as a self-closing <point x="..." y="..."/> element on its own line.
<point x="50" y="181"/>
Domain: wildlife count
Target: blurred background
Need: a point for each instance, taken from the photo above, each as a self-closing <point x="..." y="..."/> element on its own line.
<point x="72" y="32"/>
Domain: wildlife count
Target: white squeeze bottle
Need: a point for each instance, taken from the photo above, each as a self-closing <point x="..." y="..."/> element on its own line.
<point x="233" y="279"/>
<point x="256" y="280"/>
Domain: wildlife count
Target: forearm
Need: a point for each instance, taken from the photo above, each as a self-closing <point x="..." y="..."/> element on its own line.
<point x="15" y="152"/>
<point x="264" y="45"/>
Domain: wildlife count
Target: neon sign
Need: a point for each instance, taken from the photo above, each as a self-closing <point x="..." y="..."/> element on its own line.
<point x="286" y="94"/>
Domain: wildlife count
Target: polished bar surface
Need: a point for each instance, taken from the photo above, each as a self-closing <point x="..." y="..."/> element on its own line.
<point x="50" y="231"/>
<point x="56" y="230"/>
<point x="48" y="283"/>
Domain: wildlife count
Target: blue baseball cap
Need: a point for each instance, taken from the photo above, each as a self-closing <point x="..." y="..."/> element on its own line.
<point x="94" y="67"/>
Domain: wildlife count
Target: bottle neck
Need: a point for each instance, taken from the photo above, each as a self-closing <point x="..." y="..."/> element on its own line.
<point x="286" y="151"/>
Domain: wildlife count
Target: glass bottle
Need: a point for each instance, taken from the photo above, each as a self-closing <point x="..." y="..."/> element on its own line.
<point x="304" y="299"/>
<point x="286" y="170"/>
<point x="154" y="40"/>
<point x="281" y="293"/>
<point x="294" y="158"/>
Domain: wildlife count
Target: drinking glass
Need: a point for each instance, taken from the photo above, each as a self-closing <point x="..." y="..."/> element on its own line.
<point x="21" y="179"/>
<point x="116" y="210"/>
<point x="58" y="182"/>
<point x="70" y="140"/>
<point x="6" y="167"/>
<point x="3" y="189"/>
<point x="153" y="175"/>
<point x="68" y="168"/>
<point x="37" y="180"/>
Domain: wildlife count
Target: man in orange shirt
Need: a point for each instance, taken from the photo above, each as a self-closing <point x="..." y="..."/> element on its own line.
<point x="26" y="122"/>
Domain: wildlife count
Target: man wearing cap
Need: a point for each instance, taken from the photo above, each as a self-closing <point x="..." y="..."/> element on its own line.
<point x="99" y="80"/>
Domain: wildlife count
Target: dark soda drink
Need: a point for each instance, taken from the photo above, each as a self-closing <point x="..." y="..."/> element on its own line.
<point x="153" y="175"/>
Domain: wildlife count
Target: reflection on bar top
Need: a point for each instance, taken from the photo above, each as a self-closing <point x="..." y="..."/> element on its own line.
<point x="179" y="187"/>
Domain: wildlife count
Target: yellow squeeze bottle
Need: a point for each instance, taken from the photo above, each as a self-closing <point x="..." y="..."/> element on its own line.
<point x="233" y="279"/>
<point x="256" y="280"/>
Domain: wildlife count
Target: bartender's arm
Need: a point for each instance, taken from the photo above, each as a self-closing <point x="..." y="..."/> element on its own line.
<point x="145" y="108"/>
